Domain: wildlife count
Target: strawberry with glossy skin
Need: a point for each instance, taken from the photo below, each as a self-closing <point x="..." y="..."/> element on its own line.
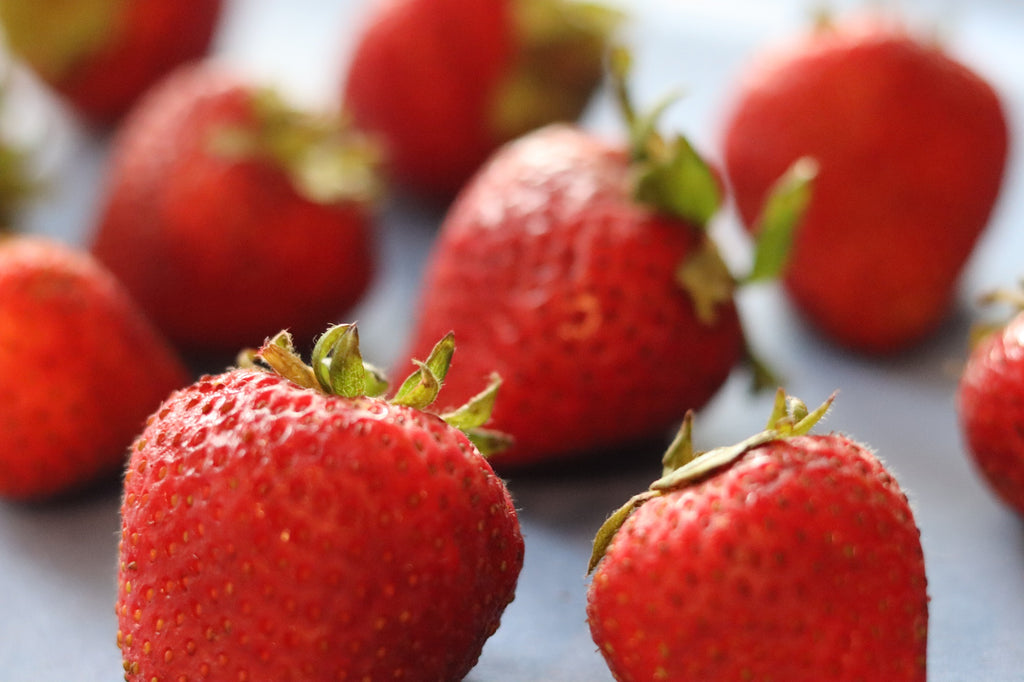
<point x="787" y="557"/>
<point x="990" y="404"/>
<point x="582" y="272"/>
<point x="445" y="82"/>
<point x="218" y="189"/>
<point x="101" y="55"/>
<point x="276" y="531"/>
<point x="911" y="147"/>
<point x="80" y="369"/>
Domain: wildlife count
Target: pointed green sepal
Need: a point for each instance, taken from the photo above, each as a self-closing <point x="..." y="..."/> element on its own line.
<point x="611" y="526"/>
<point x="706" y="278"/>
<point x="425" y="383"/>
<point x="279" y="353"/>
<point x="680" y="450"/>
<point x="780" y="218"/>
<point x="337" y="362"/>
<point x="477" y="409"/>
<point x="489" y="441"/>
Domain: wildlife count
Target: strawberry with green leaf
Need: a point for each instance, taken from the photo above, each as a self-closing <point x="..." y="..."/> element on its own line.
<point x="584" y="273"/>
<point x="219" y="189"/>
<point x="788" y="556"/>
<point x="284" y="522"/>
<point x="443" y="83"/>
<point x="101" y="55"/>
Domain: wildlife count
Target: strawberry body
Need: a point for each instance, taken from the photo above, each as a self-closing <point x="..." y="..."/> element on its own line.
<point x="555" y="277"/>
<point x="80" y="369"/>
<point x="799" y="560"/>
<point x="445" y="82"/>
<point x="194" y="230"/>
<point x="990" y="403"/>
<point x="911" y="147"/>
<point x="276" y="533"/>
<point x="101" y="55"/>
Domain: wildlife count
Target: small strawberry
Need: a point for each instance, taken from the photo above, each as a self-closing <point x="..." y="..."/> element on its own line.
<point x="911" y="147"/>
<point x="283" y="525"/>
<point x="785" y="557"/>
<point x="100" y="55"/>
<point x="445" y="82"/>
<point x="990" y="404"/>
<point x="80" y="368"/>
<point x="583" y="273"/>
<point x="217" y="190"/>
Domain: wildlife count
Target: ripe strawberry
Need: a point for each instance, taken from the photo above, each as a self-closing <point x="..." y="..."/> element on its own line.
<point x="990" y="403"/>
<point x="445" y="82"/>
<point x="276" y="531"/>
<point x="786" y="557"/>
<point x="911" y="147"/>
<point x="80" y="368"/>
<point x="100" y="55"/>
<point x="582" y="272"/>
<point x="230" y="216"/>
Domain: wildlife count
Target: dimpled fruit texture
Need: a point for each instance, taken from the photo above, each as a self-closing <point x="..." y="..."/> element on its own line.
<point x="801" y="561"/>
<point x="991" y="405"/>
<point x="272" y="533"/>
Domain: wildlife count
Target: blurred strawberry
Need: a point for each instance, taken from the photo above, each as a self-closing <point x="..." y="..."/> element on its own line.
<point x="100" y="55"/>
<point x="445" y="82"/>
<point x="911" y="147"/>
<point x="230" y="216"/>
<point x="80" y="369"/>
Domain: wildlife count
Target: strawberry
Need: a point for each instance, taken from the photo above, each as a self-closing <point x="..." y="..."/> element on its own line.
<point x="911" y="147"/>
<point x="100" y="55"/>
<point x="445" y="82"/>
<point x="218" y="190"/>
<point x="80" y="368"/>
<point x="284" y="525"/>
<point x="585" y="267"/>
<point x="786" y="557"/>
<point x="990" y="404"/>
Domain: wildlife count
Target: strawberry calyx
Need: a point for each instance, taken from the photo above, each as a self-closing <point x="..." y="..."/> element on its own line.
<point x="16" y="184"/>
<point x="327" y="159"/>
<point x="1009" y="296"/>
<point x="337" y="368"/>
<point x="682" y="467"/>
<point x="558" y="66"/>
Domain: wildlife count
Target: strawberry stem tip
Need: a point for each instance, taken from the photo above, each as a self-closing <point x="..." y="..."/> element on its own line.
<point x="338" y="369"/>
<point x="681" y="467"/>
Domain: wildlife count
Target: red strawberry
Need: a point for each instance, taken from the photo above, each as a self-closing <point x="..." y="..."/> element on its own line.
<point x="786" y="557"/>
<point x="445" y="82"/>
<point x="911" y="147"/>
<point x="80" y="368"/>
<point x="100" y="55"/>
<point x="230" y="216"/>
<point x="276" y="531"/>
<point x="990" y="403"/>
<point x="582" y="272"/>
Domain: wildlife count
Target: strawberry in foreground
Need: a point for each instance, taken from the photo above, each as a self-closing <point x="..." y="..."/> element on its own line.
<point x="911" y="148"/>
<point x="584" y="274"/>
<point x="101" y="55"/>
<point x="80" y="369"/>
<point x="218" y="189"/>
<point x="787" y="557"/>
<point x="445" y="82"/>
<point x="990" y="403"/>
<point x="284" y="525"/>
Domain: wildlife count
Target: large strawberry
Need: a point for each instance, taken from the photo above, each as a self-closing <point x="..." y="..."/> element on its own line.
<point x="100" y="55"/>
<point x="283" y="526"/>
<point x="80" y="368"/>
<point x="230" y="216"/>
<point x="990" y="404"/>
<point x="911" y="147"/>
<point x="785" y="557"/>
<point x="445" y="82"/>
<point x="582" y="272"/>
